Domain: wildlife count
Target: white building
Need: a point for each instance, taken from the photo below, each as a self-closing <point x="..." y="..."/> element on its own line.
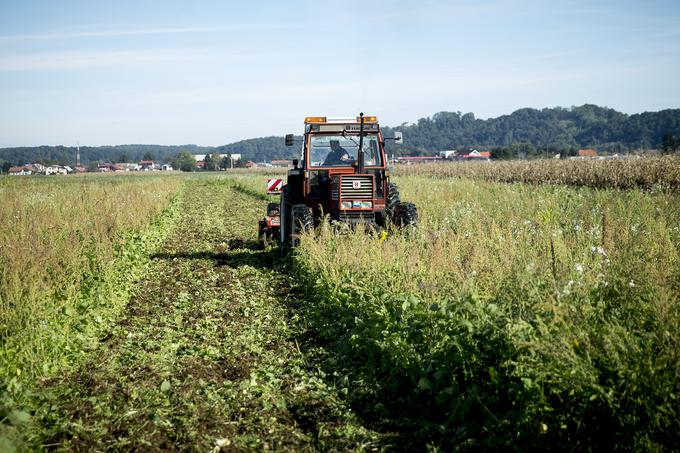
<point x="129" y="166"/>
<point x="55" y="170"/>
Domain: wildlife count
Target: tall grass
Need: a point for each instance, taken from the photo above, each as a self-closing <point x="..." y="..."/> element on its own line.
<point x="645" y="173"/>
<point x="63" y="244"/>
<point x="516" y="315"/>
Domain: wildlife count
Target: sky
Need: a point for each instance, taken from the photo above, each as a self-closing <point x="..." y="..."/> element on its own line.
<point x="215" y="72"/>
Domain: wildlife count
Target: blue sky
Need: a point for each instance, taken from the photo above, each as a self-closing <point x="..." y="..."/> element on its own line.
<point x="211" y="73"/>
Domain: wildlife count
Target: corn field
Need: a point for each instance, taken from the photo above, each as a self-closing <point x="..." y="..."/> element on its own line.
<point x="641" y="173"/>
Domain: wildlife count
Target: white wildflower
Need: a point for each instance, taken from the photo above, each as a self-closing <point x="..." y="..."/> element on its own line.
<point x="599" y="250"/>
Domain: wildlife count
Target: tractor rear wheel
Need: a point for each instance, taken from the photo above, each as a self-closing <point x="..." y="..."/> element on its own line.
<point x="406" y="214"/>
<point x="302" y="221"/>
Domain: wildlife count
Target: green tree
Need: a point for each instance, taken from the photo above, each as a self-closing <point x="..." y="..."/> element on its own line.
<point x="209" y="164"/>
<point x="669" y="144"/>
<point x="225" y="162"/>
<point x="216" y="158"/>
<point x="184" y="161"/>
<point x="123" y="157"/>
<point x="523" y="150"/>
<point x="147" y="156"/>
<point x="502" y="153"/>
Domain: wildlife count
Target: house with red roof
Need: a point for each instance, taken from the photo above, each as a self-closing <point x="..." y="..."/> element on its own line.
<point x="107" y="167"/>
<point x="587" y="153"/>
<point x="20" y="171"/>
<point x="476" y="155"/>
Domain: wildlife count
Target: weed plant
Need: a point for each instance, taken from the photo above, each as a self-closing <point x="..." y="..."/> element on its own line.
<point x="515" y="315"/>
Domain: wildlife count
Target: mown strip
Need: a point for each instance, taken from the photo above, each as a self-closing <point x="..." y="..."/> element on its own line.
<point x="205" y="355"/>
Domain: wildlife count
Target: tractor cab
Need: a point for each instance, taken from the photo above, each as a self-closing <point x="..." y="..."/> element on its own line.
<point x="342" y="173"/>
<point x="344" y="169"/>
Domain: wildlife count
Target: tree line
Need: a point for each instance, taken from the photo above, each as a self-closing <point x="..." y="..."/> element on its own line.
<point x="66" y="155"/>
<point x="525" y="132"/>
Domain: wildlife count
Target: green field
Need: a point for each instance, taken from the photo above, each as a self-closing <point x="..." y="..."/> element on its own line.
<point x="142" y="312"/>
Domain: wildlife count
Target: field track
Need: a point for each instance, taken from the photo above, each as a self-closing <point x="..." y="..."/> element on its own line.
<point x="204" y="355"/>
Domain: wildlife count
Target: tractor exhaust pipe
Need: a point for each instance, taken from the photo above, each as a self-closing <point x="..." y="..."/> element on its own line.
<point x="360" y="159"/>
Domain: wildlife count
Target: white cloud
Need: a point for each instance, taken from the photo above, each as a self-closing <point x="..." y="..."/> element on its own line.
<point x="84" y="59"/>
<point x="118" y="33"/>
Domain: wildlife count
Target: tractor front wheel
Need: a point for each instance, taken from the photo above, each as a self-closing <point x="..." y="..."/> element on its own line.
<point x="406" y="214"/>
<point x="302" y="221"/>
<point x="392" y="201"/>
<point x="285" y="229"/>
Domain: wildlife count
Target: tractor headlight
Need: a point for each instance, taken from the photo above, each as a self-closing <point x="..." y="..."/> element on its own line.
<point x="356" y="204"/>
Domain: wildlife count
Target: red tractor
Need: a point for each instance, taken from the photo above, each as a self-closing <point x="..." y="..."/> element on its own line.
<point x="342" y="173"/>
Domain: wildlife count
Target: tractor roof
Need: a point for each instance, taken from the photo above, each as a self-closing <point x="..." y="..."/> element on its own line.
<point x="339" y="120"/>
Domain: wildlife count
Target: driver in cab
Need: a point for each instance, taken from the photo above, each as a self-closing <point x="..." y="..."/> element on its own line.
<point x="338" y="155"/>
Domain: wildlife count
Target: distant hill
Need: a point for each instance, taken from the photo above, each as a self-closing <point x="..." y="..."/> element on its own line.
<point x="556" y="129"/>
